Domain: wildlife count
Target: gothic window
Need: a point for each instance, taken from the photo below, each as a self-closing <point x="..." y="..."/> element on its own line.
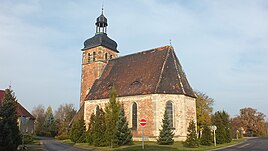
<point x="111" y="56"/>
<point x="169" y="109"/>
<point x="94" y="56"/>
<point x="97" y="109"/>
<point x="106" y="56"/>
<point x="134" y="116"/>
<point x="88" y="57"/>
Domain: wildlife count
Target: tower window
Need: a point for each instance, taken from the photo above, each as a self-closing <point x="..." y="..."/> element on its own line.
<point x="134" y="116"/>
<point x="94" y="56"/>
<point x="88" y="57"/>
<point x="169" y="109"/>
<point x="106" y="56"/>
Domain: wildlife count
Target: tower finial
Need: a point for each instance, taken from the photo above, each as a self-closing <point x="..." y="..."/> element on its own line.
<point x="170" y="42"/>
<point x="102" y="7"/>
<point x="9" y="87"/>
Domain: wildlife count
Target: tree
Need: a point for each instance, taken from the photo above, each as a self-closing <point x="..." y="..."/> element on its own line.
<point x="222" y="121"/>
<point x="49" y="123"/>
<point x="10" y="137"/>
<point x="206" y="138"/>
<point x="63" y="116"/>
<point x="78" y="131"/>
<point x="251" y="121"/>
<point x="39" y="113"/>
<point x="91" y="127"/>
<point x="191" y="140"/>
<point x="166" y="133"/>
<point x="99" y="129"/>
<point x="203" y="110"/>
<point x="123" y="133"/>
<point x="111" y="118"/>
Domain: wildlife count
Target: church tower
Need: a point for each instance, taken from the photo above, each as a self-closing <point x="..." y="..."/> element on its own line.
<point x="97" y="51"/>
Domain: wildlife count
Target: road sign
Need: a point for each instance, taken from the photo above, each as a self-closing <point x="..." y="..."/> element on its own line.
<point x="143" y="122"/>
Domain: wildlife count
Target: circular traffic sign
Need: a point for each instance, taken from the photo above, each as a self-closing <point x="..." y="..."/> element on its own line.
<point x="143" y="122"/>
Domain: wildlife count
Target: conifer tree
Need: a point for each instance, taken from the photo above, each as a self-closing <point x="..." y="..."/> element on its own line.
<point x="166" y="133"/>
<point x="78" y="131"/>
<point x="10" y="137"/>
<point x="192" y="140"/>
<point x="91" y="128"/>
<point x="123" y="134"/>
<point x="99" y="129"/>
<point x="222" y="121"/>
<point x="49" y="126"/>
<point x="206" y="138"/>
<point x="111" y="118"/>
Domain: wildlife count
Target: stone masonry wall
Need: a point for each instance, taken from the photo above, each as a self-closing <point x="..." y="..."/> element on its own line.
<point x="152" y="107"/>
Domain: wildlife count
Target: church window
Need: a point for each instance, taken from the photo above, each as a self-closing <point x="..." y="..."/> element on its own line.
<point x="169" y="109"/>
<point x="94" y="56"/>
<point x="97" y="109"/>
<point x="88" y="57"/>
<point x="111" y="56"/>
<point x="134" y="116"/>
<point x="106" y="56"/>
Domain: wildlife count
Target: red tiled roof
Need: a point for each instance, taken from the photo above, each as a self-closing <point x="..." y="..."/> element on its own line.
<point x="156" y="71"/>
<point x="21" y="111"/>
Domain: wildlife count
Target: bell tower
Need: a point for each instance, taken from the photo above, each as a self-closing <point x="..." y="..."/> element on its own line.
<point x="96" y="53"/>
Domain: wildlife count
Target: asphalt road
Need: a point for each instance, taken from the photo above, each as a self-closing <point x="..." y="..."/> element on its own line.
<point x="50" y="144"/>
<point x="254" y="144"/>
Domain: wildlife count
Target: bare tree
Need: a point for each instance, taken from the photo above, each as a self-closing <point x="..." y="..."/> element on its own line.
<point x="63" y="116"/>
<point x="39" y="113"/>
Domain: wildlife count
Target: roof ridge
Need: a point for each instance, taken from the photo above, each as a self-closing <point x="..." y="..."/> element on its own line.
<point x="178" y="73"/>
<point x="162" y="69"/>
<point x="148" y="50"/>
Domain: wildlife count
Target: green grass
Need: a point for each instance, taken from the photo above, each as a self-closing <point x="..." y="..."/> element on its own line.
<point x="136" y="146"/>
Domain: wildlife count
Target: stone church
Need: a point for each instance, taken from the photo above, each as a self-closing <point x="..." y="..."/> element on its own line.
<point x="146" y="82"/>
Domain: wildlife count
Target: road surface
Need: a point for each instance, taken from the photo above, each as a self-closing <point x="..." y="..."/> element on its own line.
<point x="254" y="144"/>
<point x="50" y="144"/>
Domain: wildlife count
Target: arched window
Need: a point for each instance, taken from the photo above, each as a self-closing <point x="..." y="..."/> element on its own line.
<point x="106" y="56"/>
<point x="94" y="56"/>
<point x="88" y="57"/>
<point x="169" y="109"/>
<point x="134" y="116"/>
<point x="97" y="109"/>
<point x="111" y="56"/>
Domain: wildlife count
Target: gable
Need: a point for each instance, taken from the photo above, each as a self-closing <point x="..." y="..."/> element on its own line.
<point x="21" y="111"/>
<point x="156" y="71"/>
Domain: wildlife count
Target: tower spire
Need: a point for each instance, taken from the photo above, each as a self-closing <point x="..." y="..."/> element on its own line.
<point x="102" y="8"/>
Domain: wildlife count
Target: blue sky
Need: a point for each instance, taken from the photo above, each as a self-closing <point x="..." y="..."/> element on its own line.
<point x="222" y="45"/>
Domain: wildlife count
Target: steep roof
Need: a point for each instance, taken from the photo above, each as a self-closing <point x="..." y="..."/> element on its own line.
<point x="155" y="71"/>
<point x="21" y="111"/>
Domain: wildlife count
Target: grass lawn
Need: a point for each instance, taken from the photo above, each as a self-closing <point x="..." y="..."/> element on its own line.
<point x="136" y="146"/>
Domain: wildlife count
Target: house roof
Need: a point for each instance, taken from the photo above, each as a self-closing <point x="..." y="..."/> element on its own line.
<point x="155" y="71"/>
<point x="21" y="111"/>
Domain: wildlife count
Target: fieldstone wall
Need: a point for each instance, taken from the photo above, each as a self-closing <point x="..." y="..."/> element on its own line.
<point x="152" y="108"/>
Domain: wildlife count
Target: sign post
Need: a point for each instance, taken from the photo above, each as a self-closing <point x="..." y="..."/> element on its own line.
<point x="214" y="128"/>
<point x="143" y="123"/>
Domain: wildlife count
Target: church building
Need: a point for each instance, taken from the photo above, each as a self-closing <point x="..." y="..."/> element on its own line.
<point x="146" y="82"/>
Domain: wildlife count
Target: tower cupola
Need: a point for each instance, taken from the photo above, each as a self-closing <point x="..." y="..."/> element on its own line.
<point x="101" y="24"/>
<point x="101" y="38"/>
